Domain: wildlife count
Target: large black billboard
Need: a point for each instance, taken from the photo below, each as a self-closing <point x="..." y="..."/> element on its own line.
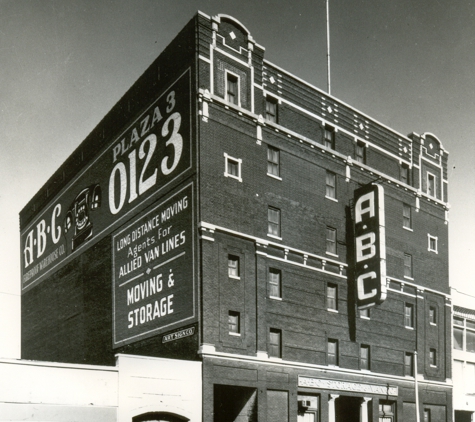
<point x="139" y="164"/>
<point x="152" y="265"/>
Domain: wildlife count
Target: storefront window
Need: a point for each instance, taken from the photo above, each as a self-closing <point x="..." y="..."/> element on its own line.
<point x="386" y="411"/>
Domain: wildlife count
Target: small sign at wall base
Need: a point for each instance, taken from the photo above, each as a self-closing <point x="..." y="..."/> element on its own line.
<point x="178" y="335"/>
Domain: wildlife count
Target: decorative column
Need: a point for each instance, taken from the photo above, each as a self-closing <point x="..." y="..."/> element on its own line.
<point x="331" y="407"/>
<point x="364" y="409"/>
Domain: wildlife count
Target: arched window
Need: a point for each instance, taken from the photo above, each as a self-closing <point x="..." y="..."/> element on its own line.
<point x="159" y="417"/>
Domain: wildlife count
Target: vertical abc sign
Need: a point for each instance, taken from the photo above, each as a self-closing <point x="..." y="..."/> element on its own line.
<point x="370" y="246"/>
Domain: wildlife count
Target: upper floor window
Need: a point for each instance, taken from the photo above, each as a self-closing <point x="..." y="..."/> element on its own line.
<point x="464" y="334"/>
<point x="431" y="185"/>
<point x="365" y="313"/>
<point x="406" y="216"/>
<point x="234" y="323"/>
<point x="332" y="352"/>
<point x="364" y="357"/>
<point x="232" y="167"/>
<point x="404" y="174"/>
<point x="331" y="240"/>
<point x="432" y="315"/>
<point x="273" y="222"/>
<point x="407" y="265"/>
<point x="329" y="137"/>
<point x="232" y="88"/>
<point x="233" y="266"/>
<point x="332" y="297"/>
<point x="330" y="180"/>
<point x="275" y="283"/>
<point x="273" y="161"/>
<point x="271" y="109"/>
<point x="432" y="243"/>
<point x="360" y="152"/>
<point x="409" y="364"/>
<point x="458" y="333"/>
<point x="433" y="357"/>
<point x="409" y="315"/>
<point x="275" y="343"/>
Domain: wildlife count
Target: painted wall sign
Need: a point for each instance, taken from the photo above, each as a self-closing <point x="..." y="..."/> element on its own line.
<point x="177" y="335"/>
<point x="370" y="246"/>
<point x="134" y="168"/>
<point x="152" y="258"/>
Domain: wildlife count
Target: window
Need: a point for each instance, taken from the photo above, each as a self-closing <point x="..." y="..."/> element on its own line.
<point x="364" y="357"/>
<point x="330" y="185"/>
<point x="409" y="315"/>
<point x="232" y="167"/>
<point x="406" y="216"/>
<point x="273" y="220"/>
<point x="233" y="266"/>
<point x="332" y="297"/>
<point x="407" y="265"/>
<point x="386" y="411"/>
<point x="432" y="243"/>
<point x="273" y="161"/>
<point x="275" y="343"/>
<point x="271" y="109"/>
<point x="365" y="313"/>
<point x="275" y="283"/>
<point x="234" y="323"/>
<point x="426" y="415"/>
<point x="329" y="137"/>
<point x="431" y="185"/>
<point x="404" y="174"/>
<point x="232" y="88"/>
<point x="458" y="333"/>
<point x="409" y="364"/>
<point x="433" y="357"/>
<point x="332" y="352"/>
<point x="331" y="240"/>
<point x="470" y="336"/>
<point x="361" y="152"/>
<point x="432" y="315"/>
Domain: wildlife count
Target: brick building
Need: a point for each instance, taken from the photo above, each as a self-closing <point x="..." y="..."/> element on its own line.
<point x="463" y="355"/>
<point x="227" y="212"/>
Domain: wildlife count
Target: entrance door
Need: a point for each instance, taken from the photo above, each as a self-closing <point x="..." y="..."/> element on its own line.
<point x="347" y="409"/>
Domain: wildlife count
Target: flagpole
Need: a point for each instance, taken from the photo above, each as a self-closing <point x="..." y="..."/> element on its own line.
<point x="328" y="48"/>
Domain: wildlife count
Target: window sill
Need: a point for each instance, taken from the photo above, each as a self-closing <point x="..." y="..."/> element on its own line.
<point x="231" y="176"/>
<point x="335" y="311"/>
<point x="365" y="317"/>
<point x="409" y="278"/>
<point x="366" y="371"/>
<point x="433" y="366"/>
<point x="432" y="250"/>
<point x="332" y="254"/>
<point x="274" y="236"/>
<point x="331" y="199"/>
<point x="275" y="298"/>
<point x="408" y="229"/>
<point x="235" y="334"/>
<point x="433" y="324"/>
<point x="274" y="176"/>
<point x="409" y="328"/>
<point x="234" y="277"/>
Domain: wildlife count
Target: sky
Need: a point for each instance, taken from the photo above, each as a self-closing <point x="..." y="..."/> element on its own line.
<point x="64" y="64"/>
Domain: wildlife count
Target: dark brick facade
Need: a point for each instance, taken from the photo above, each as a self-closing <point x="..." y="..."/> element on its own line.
<point x="68" y="316"/>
